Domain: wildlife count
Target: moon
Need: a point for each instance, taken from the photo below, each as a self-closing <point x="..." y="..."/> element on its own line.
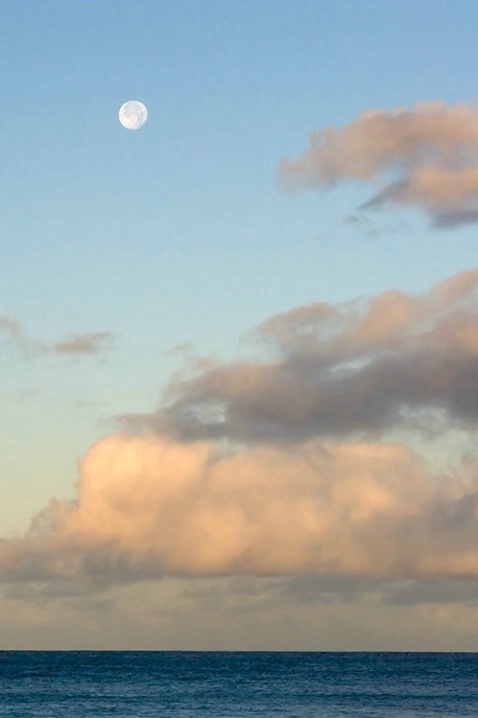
<point x="133" y="114"/>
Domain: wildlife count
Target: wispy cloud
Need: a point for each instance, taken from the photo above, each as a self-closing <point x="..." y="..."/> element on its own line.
<point x="76" y="344"/>
<point x="13" y="330"/>
<point x="90" y="343"/>
<point x="427" y="157"/>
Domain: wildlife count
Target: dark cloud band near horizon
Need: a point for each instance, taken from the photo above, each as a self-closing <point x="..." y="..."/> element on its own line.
<point x="425" y="157"/>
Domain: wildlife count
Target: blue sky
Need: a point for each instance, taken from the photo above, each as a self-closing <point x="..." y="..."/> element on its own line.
<point x="178" y="240"/>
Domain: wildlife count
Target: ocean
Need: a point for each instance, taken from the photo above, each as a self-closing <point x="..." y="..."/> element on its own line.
<point x="130" y="684"/>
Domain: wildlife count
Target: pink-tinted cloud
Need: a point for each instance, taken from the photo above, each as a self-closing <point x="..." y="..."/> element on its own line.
<point x="427" y="157"/>
<point x="149" y="507"/>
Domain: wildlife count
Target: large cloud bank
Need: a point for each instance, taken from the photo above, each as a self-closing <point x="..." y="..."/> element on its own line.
<point x="427" y="157"/>
<point x="148" y="507"/>
<point x="285" y="466"/>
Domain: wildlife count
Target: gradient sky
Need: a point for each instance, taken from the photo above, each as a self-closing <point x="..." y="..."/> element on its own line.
<point x="238" y="347"/>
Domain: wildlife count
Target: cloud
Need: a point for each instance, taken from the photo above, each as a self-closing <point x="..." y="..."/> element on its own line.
<point x="425" y="157"/>
<point x="10" y="326"/>
<point x="45" y="592"/>
<point x="352" y="369"/>
<point x="13" y="330"/>
<point x="349" y="589"/>
<point x="91" y="343"/>
<point x="305" y="480"/>
<point x="148" y="507"/>
<point x="76" y="344"/>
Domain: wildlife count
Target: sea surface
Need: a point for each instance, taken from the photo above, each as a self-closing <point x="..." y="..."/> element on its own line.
<point x="229" y="685"/>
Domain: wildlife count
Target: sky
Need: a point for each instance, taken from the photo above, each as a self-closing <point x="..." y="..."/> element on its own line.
<point x="239" y="346"/>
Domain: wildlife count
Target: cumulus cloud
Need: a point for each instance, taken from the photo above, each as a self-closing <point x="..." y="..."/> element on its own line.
<point x="356" y="368"/>
<point x="426" y="157"/>
<point x="149" y="507"/>
<point x="305" y="480"/>
<point x="76" y="344"/>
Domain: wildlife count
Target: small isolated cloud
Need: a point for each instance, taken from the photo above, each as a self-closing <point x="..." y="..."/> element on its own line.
<point x="10" y="326"/>
<point x="76" y="344"/>
<point x="182" y="348"/>
<point x="425" y="157"/>
<point x="91" y="343"/>
<point x="12" y="329"/>
<point x="305" y="480"/>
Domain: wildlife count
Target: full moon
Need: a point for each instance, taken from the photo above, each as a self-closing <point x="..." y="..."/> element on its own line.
<point x="133" y="115"/>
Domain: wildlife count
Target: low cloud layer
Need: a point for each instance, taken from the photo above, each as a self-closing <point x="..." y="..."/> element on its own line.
<point x="305" y="480"/>
<point x="425" y="157"/>
<point x="76" y="344"/>
<point x="148" y="508"/>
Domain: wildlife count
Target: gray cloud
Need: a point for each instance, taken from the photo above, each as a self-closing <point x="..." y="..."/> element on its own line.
<point x="401" y="592"/>
<point x="9" y="325"/>
<point x="90" y="343"/>
<point x="427" y="157"/>
<point x="76" y="344"/>
<point x="408" y="593"/>
<point x="12" y="329"/>
<point x="363" y="367"/>
<point x="444" y="220"/>
<point x="51" y="591"/>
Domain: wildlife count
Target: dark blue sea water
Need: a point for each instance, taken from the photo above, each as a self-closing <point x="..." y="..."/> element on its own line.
<point x="229" y="685"/>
